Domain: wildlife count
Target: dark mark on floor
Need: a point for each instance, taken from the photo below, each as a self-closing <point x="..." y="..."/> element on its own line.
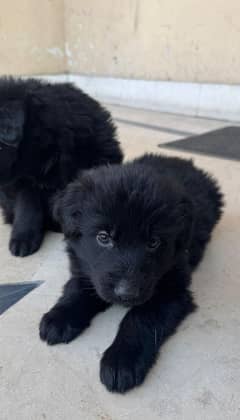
<point x="11" y="293"/>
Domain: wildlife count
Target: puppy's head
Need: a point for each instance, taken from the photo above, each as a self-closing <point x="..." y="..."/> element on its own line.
<point x="126" y="227"/>
<point x="11" y="130"/>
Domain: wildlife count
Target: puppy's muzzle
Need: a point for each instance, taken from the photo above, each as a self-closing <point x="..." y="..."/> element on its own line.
<point x="125" y="291"/>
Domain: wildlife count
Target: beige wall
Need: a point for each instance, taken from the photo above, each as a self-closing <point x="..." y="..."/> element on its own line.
<point x="187" y="40"/>
<point x="31" y="36"/>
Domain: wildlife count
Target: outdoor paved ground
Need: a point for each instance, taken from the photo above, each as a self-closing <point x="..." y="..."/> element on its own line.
<point x="197" y="376"/>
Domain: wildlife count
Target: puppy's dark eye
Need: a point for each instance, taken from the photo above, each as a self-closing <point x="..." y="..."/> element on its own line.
<point x="104" y="239"/>
<point x="154" y="243"/>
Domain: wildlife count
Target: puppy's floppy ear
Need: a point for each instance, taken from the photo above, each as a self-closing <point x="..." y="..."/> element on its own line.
<point x="185" y="221"/>
<point x="12" y="117"/>
<point x="68" y="204"/>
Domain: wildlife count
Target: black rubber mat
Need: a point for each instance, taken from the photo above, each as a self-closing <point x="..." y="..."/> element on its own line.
<point x="224" y="143"/>
<point x="12" y="293"/>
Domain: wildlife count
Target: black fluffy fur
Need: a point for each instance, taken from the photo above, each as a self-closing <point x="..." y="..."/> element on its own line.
<point x="47" y="133"/>
<point x="134" y="235"/>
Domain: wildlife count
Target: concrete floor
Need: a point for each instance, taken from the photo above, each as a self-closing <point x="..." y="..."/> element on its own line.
<point x="197" y="376"/>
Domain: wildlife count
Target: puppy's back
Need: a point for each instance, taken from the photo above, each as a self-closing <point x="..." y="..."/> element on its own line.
<point x="200" y="187"/>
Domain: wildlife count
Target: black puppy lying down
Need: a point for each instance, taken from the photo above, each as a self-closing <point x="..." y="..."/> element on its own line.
<point x="134" y="235"/>
<point x="47" y="133"/>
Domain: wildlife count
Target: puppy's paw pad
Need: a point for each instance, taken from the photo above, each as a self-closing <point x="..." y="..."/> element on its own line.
<point x="21" y="246"/>
<point x="54" y="329"/>
<point x="120" y="371"/>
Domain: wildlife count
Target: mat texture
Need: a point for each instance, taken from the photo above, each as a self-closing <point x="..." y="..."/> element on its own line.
<point x="224" y="143"/>
<point x="11" y="293"/>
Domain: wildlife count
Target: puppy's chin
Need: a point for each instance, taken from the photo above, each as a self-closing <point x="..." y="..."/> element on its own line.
<point x="127" y="303"/>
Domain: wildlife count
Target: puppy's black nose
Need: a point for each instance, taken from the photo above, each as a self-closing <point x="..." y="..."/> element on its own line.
<point x="124" y="291"/>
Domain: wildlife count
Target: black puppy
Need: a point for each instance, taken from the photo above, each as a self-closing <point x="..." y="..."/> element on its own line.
<point x="47" y="133"/>
<point x="134" y="235"/>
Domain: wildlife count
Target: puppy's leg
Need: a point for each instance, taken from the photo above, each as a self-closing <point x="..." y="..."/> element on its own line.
<point x="142" y="332"/>
<point x="27" y="230"/>
<point x="72" y="313"/>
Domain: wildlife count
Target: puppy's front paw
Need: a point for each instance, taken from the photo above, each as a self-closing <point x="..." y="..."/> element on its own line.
<point x="55" y="328"/>
<point x="122" y="369"/>
<point x="25" y="244"/>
